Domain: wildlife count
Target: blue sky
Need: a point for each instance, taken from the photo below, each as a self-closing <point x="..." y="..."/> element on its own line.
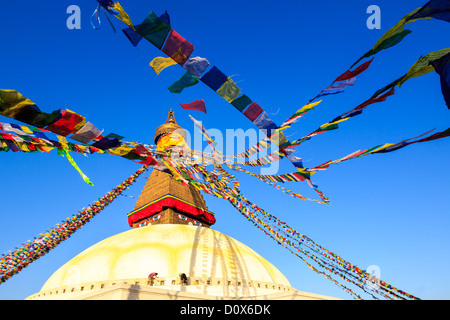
<point x="389" y="210"/>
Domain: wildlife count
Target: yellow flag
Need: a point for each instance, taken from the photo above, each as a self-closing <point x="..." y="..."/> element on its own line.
<point x="11" y="102"/>
<point x="229" y="90"/>
<point x="397" y="28"/>
<point x="121" y="150"/>
<point x="46" y="148"/>
<point x="63" y="141"/>
<point x="330" y="123"/>
<point x="386" y="145"/>
<point x="160" y="63"/>
<point x="26" y="129"/>
<point x="123" y="16"/>
<point x="423" y="66"/>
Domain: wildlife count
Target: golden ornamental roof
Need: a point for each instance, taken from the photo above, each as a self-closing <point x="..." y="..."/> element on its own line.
<point x="169" y="126"/>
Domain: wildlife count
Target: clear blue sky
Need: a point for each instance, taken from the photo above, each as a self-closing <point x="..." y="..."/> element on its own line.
<point x="389" y="210"/>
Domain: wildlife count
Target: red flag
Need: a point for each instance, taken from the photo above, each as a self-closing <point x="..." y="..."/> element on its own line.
<point x="198" y="105"/>
<point x="379" y="98"/>
<point x="350" y="74"/>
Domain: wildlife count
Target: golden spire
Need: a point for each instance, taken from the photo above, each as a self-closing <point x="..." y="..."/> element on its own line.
<point x="171" y="117"/>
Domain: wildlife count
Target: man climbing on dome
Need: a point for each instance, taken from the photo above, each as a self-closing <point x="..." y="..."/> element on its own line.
<point x="152" y="277"/>
<point x="183" y="278"/>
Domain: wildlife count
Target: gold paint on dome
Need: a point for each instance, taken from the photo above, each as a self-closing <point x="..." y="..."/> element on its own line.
<point x="169" y="126"/>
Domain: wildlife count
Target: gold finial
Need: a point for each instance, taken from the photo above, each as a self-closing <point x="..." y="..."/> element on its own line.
<point x="171" y="117"/>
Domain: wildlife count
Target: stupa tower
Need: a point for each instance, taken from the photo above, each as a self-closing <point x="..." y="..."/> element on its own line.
<point x="170" y="235"/>
<point x="165" y="200"/>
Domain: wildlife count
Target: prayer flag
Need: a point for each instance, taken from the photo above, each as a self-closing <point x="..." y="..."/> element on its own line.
<point x="86" y="134"/>
<point x="253" y="111"/>
<point x="299" y="113"/>
<point x="132" y="35"/>
<point x="158" y="64"/>
<point x="373" y="99"/>
<point x="214" y="78"/>
<point x="423" y="65"/>
<point x="116" y="9"/>
<point x="241" y="103"/>
<point x="264" y="122"/>
<point x="67" y="124"/>
<point x="198" y="105"/>
<point x="106" y="143"/>
<point x="37" y="118"/>
<point x="351" y="74"/>
<point x="342" y="85"/>
<point x="437" y="9"/>
<point x="229" y="90"/>
<point x="387" y="43"/>
<point x="135" y="37"/>
<point x="296" y="161"/>
<point x="186" y="80"/>
<point x="442" y="67"/>
<point x="13" y="102"/>
<point x="178" y="48"/>
<point x="196" y="65"/>
<point x="154" y="30"/>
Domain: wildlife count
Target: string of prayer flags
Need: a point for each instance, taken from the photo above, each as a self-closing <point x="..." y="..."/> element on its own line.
<point x="434" y="9"/>
<point x="12" y="262"/>
<point x="337" y="88"/>
<point x="385" y="148"/>
<point x="391" y="37"/>
<point x="387" y="43"/>
<point x="296" y="116"/>
<point x="438" y="9"/>
<point x="422" y="66"/>
<point x="374" y="99"/>
<point x="198" y="105"/>
<point x="442" y="67"/>
<point x="438" y="135"/>
<point x="179" y="49"/>
<point x="346" y="79"/>
<point x="352" y="74"/>
<point x="301" y="245"/>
